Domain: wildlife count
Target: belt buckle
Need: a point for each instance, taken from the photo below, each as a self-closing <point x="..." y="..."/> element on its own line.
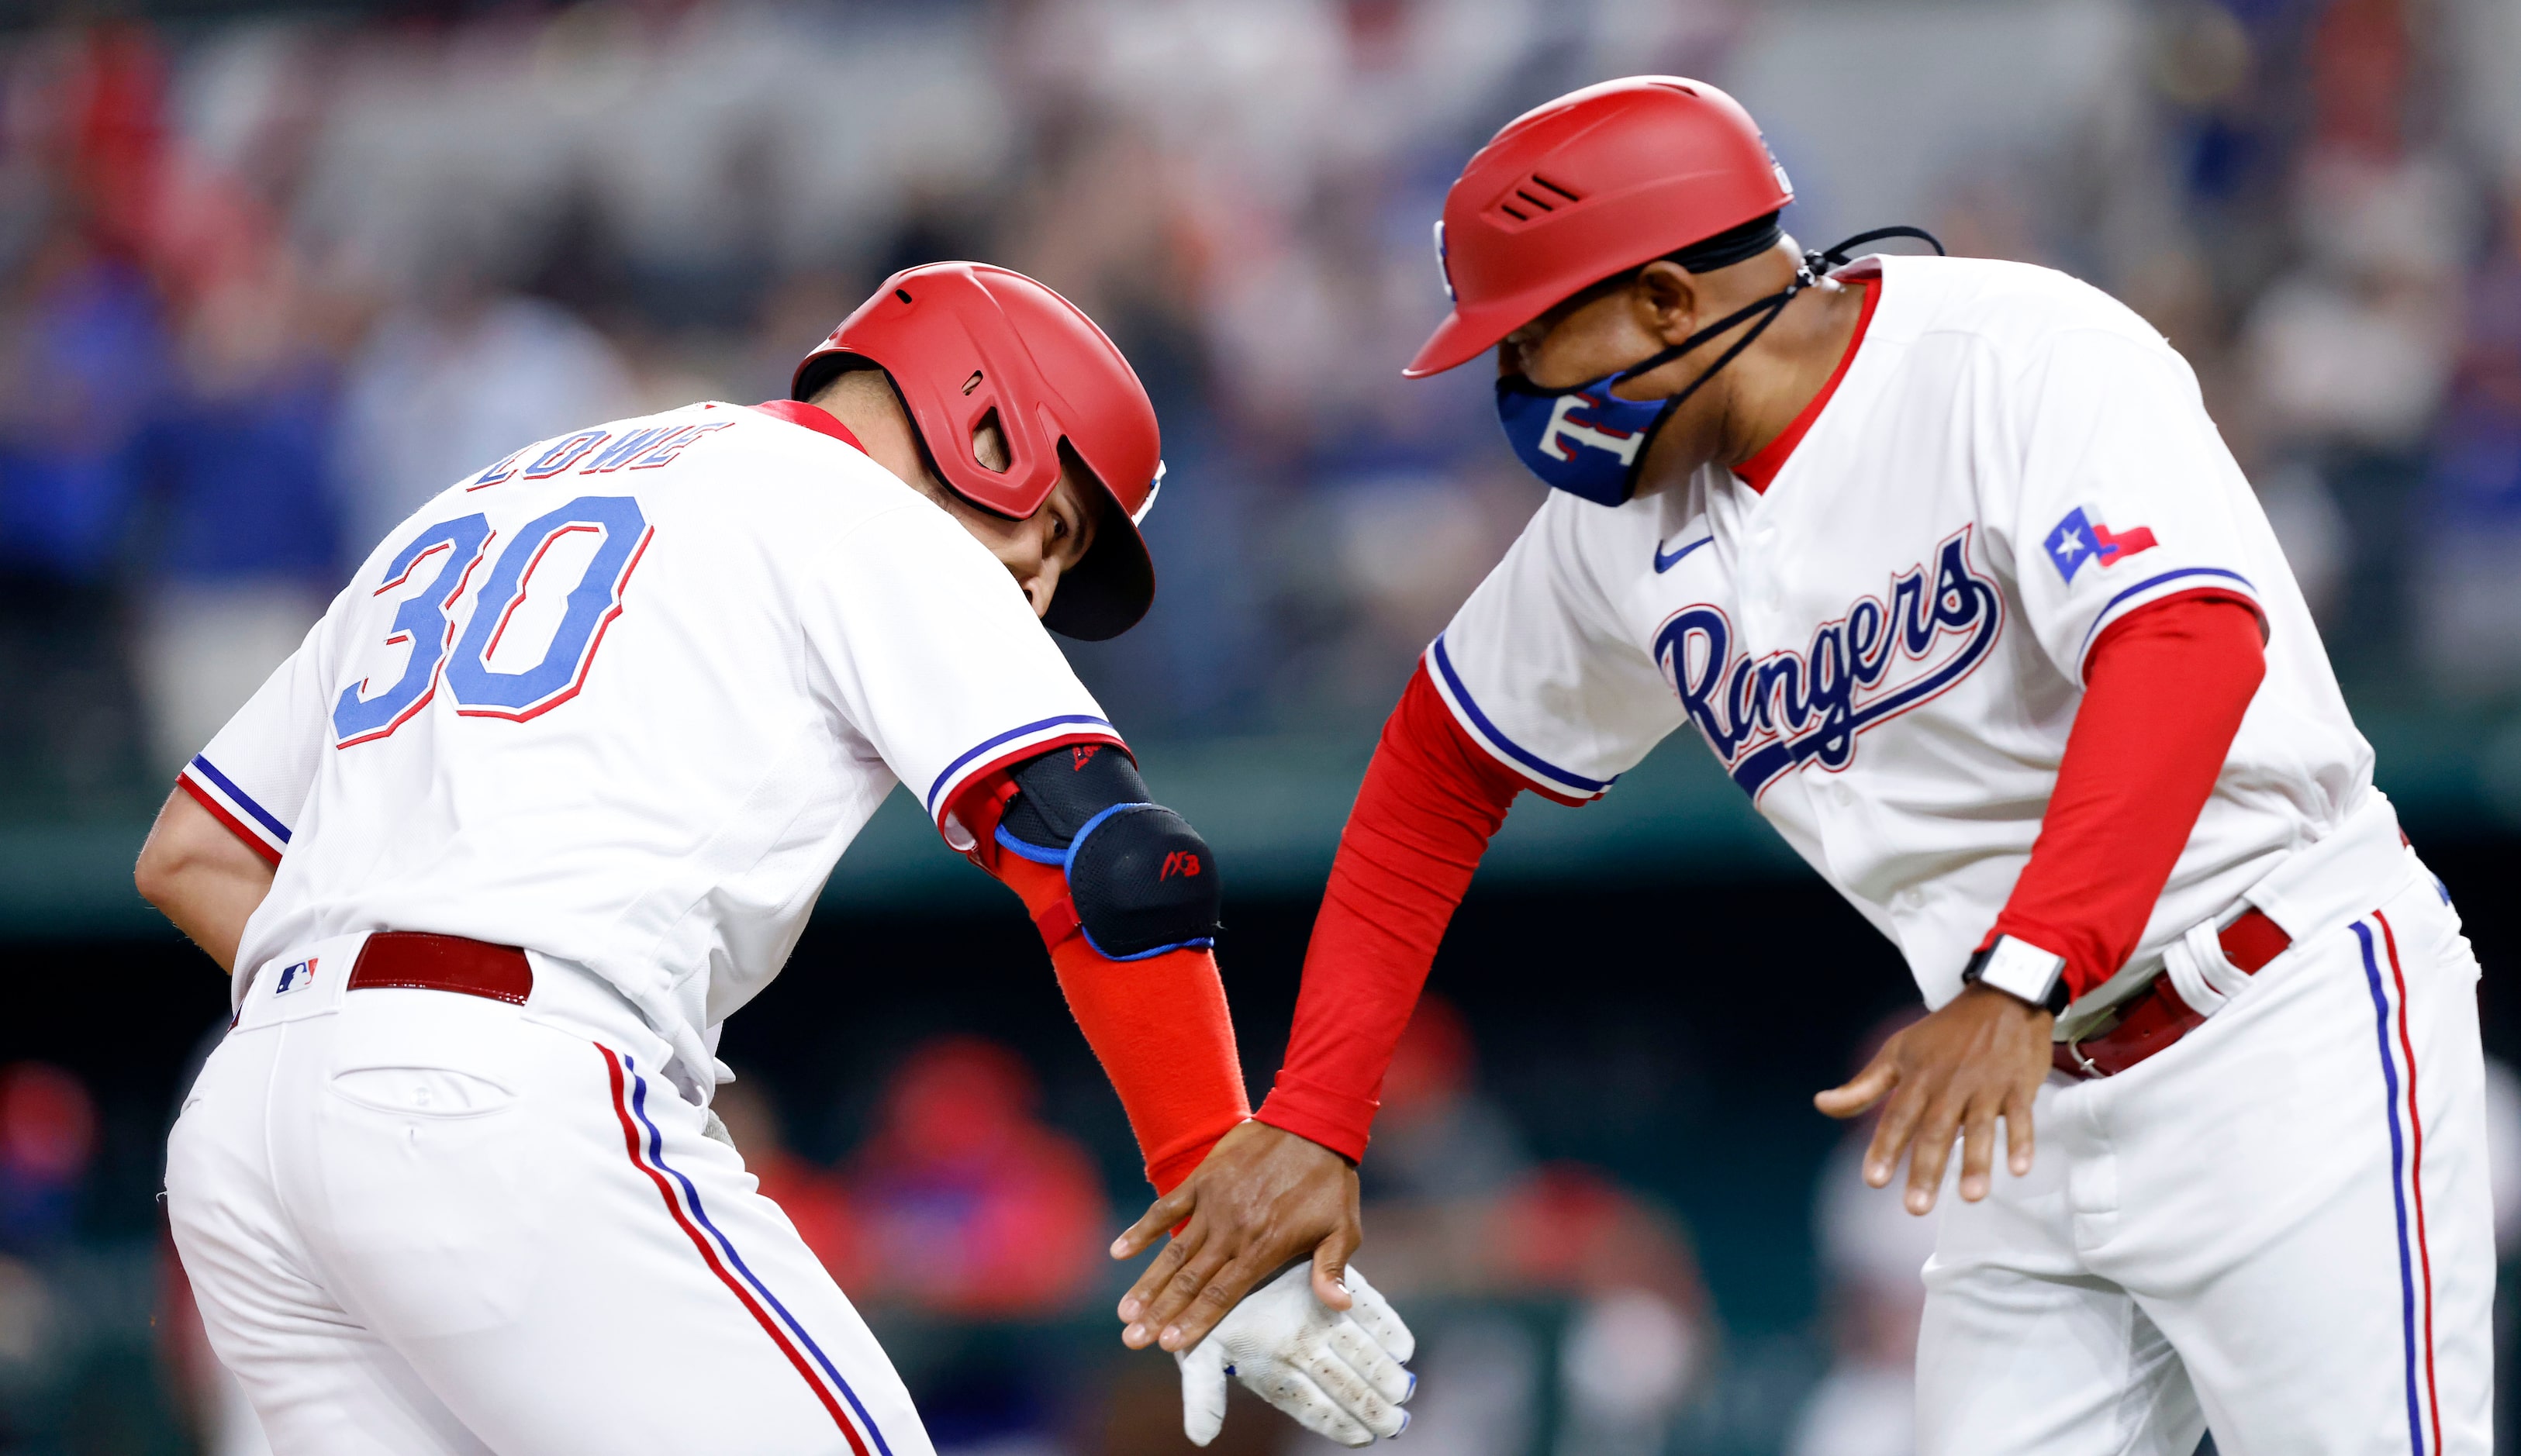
<point x="2073" y="1045"/>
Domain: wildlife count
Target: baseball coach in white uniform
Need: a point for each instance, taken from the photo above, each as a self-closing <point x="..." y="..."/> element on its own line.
<point x="1946" y="563"/>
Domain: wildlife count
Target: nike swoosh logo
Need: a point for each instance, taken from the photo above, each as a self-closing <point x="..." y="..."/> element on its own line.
<point x="1665" y="562"/>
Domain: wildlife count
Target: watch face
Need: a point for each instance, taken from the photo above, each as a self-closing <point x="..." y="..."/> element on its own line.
<point x="2020" y="969"/>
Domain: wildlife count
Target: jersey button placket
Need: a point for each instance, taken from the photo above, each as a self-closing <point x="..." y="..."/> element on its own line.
<point x="1762" y="588"/>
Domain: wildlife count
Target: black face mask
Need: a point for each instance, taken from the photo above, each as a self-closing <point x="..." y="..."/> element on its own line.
<point x="1608" y="440"/>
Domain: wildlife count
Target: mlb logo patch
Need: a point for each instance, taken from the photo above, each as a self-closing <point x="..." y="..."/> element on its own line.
<point x="295" y="978"/>
<point x="2080" y="538"/>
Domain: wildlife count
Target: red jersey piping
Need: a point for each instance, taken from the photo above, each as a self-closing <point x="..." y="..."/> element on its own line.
<point x="822" y="421"/>
<point x="1763" y="467"/>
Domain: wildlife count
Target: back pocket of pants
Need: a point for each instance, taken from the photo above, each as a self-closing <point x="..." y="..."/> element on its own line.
<point x="422" y="1091"/>
<point x="432" y="1160"/>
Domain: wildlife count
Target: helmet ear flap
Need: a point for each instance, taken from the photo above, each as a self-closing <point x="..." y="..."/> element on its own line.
<point x="1051" y="437"/>
<point x="985" y="381"/>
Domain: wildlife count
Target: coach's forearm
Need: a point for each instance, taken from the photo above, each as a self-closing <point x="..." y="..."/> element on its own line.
<point x="202" y="877"/>
<point x="1430" y="803"/>
<point x="2166" y="690"/>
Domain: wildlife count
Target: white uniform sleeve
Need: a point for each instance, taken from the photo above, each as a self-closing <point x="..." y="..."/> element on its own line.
<point x="938" y="659"/>
<point x="2126" y="493"/>
<point x="258" y="769"/>
<point x="1537" y="668"/>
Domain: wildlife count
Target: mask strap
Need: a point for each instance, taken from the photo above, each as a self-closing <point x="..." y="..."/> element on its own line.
<point x="1775" y="305"/>
<point x="1653" y="362"/>
<point x="1814" y="264"/>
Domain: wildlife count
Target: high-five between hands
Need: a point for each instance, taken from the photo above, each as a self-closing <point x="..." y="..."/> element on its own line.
<point x="1254" y="1281"/>
<point x="1336" y="1373"/>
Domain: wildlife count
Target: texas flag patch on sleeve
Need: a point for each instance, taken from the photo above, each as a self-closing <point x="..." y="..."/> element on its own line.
<point x="2080" y="538"/>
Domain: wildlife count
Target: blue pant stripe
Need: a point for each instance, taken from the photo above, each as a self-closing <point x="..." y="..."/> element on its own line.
<point x="2398" y="1188"/>
<point x="692" y="1195"/>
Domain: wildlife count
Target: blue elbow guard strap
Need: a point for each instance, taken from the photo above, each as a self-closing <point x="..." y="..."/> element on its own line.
<point x="1141" y="879"/>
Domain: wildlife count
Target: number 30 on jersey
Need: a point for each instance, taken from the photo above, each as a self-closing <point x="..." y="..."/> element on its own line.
<point x="450" y="552"/>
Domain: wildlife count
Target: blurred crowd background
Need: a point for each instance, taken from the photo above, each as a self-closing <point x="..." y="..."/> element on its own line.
<point x="268" y="282"/>
<point x="271" y="276"/>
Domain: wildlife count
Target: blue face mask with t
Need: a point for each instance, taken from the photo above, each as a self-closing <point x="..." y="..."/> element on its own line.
<point x="1588" y="441"/>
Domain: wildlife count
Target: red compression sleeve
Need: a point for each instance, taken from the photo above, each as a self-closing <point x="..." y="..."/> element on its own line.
<point x="1431" y="802"/>
<point x="1160" y="1025"/>
<point x="2164" y="689"/>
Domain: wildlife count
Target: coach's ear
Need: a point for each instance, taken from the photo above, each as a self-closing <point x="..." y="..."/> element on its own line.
<point x="1666" y="297"/>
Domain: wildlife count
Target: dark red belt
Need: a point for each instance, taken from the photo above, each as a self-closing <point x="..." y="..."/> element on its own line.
<point x="414" y="960"/>
<point x="2159" y="1016"/>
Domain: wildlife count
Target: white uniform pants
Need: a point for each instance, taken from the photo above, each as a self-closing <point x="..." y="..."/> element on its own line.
<point x="2278" y="1227"/>
<point x="419" y="1223"/>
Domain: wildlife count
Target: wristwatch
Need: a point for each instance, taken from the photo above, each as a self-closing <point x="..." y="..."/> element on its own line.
<point x="2021" y="970"/>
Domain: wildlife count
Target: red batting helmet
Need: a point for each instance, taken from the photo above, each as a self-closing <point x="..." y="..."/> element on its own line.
<point x="963" y="341"/>
<point x="1601" y="180"/>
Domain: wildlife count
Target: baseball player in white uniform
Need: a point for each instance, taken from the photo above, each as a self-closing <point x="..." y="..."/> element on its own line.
<point x="1946" y="563"/>
<point x="548" y="794"/>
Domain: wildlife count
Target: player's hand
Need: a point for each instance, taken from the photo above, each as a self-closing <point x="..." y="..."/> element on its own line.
<point x="1336" y="1374"/>
<point x="1261" y="1198"/>
<point x="1982" y="1057"/>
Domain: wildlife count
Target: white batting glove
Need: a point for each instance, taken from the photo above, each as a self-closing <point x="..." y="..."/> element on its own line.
<point x="1336" y="1373"/>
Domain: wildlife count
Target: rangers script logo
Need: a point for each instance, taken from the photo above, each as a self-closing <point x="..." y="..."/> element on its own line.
<point x="1766" y="717"/>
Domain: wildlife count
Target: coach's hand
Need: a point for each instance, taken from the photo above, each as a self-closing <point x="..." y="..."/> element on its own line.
<point x="1260" y="1198"/>
<point x="1982" y="1057"/>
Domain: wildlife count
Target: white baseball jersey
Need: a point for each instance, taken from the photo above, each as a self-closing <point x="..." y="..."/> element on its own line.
<point x="1886" y="646"/>
<point x="625" y="697"/>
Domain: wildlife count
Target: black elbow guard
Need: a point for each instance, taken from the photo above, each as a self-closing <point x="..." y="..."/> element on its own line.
<point x="1141" y="879"/>
<point x="1143" y="882"/>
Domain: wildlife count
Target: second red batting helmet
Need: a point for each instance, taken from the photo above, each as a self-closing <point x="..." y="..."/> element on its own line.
<point x="1601" y="180"/>
<point x="964" y="343"/>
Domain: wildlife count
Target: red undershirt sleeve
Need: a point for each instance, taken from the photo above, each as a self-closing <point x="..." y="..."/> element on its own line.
<point x="1431" y="802"/>
<point x="1158" y="1025"/>
<point x="2165" y="690"/>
